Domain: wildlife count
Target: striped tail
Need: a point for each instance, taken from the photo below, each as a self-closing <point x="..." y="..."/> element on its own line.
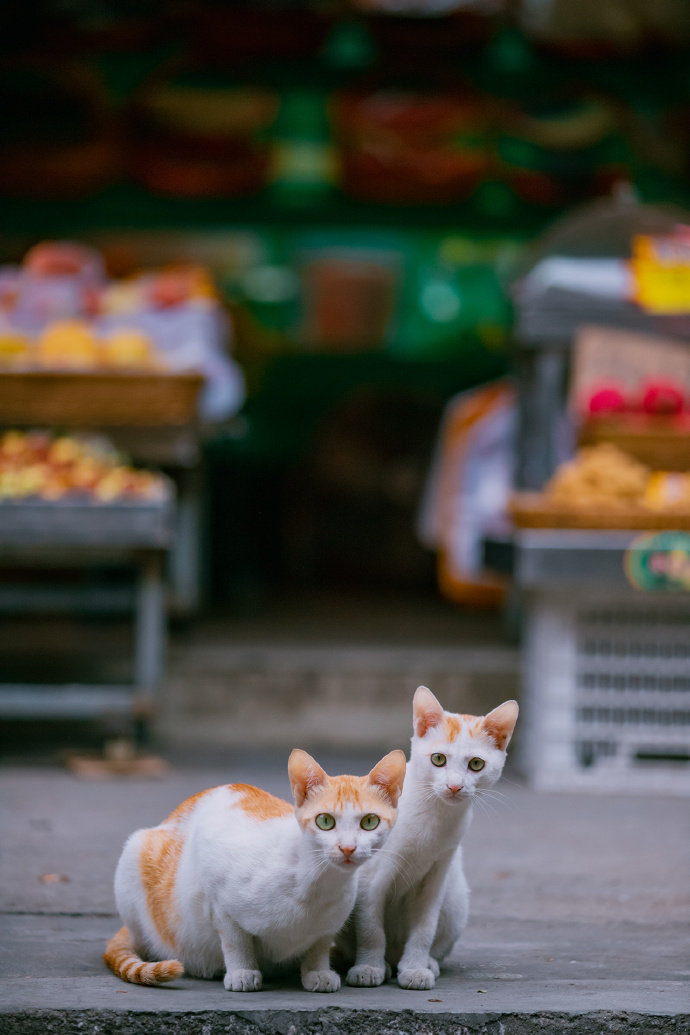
<point x="124" y="962"/>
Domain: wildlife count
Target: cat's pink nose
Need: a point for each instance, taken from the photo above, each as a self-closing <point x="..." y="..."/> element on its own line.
<point x="347" y="850"/>
<point x="454" y="787"/>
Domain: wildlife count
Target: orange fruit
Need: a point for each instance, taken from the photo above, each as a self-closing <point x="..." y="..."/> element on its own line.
<point x="68" y="344"/>
<point x="128" y="348"/>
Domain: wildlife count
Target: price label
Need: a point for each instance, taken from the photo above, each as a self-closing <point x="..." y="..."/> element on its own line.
<point x="659" y="561"/>
<point x="660" y="268"/>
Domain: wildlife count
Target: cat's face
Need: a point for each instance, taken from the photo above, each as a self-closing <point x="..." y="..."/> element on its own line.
<point x="455" y="756"/>
<point x="347" y="818"/>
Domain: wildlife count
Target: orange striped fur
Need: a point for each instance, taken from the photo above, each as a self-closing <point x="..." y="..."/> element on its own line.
<point x="158" y="860"/>
<point x="453" y="724"/>
<point x="352" y="790"/>
<point x="429" y="714"/>
<point x="186" y="807"/>
<point x="124" y="963"/>
<point x="260" y="804"/>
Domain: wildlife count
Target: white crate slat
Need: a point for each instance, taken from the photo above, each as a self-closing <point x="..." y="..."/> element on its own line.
<point x="606" y="690"/>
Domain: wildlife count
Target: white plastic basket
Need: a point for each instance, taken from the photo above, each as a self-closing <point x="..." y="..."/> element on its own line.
<point x="606" y="691"/>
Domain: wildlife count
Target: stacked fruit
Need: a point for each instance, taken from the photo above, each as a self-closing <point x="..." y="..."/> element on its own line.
<point x="71" y="344"/>
<point x="39" y="464"/>
<point x="605" y="476"/>
<point x="661" y="397"/>
<point x="59" y="311"/>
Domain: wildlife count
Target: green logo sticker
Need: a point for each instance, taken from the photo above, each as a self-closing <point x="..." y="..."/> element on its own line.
<point x="659" y="561"/>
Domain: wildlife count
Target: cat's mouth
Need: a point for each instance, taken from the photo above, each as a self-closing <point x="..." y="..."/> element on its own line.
<point x="452" y="797"/>
<point x="348" y="861"/>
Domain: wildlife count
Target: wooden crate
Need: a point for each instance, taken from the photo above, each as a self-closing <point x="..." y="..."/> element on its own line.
<point x="627" y="358"/>
<point x="536" y="510"/>
<point x="662" y="443"/>
<point x="98" y="398"/>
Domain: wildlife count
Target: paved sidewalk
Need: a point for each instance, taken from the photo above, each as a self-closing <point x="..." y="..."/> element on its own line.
<point x="579" y="918"/>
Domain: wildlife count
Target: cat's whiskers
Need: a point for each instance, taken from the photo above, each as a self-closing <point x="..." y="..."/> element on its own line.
<point x="487" y="808"/>
<point x="488" y="801"/>
<point x="319" y="863"/>
<point x="498" y="796"/>
<point x="404" y="871"/>
<point x="430" y="795"/>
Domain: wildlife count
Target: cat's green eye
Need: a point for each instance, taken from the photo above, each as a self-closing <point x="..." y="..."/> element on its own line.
<point x="438" y="759"/>
<point x="475" y="764"/>
<point x="325" y="821"/>
<point x="370" y="821"/>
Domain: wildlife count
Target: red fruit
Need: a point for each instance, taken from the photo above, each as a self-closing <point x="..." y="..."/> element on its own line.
<point x="60" y="258"/>
<point x="607" y="399"/>
<point x="169" y="289"/>
<point x="662" y="397"/>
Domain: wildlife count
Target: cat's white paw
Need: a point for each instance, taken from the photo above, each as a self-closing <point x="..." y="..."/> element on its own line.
<point x="243" y="981"/>
<point x="321" y="981"/>
<point x="434" y="967"/>
<point x="418" y="978"/>
<point x="364" y="976"/>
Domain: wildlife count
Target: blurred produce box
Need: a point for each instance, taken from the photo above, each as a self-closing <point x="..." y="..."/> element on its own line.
<point x="633" y="390"/>
<point x="41" y="466"/>
<point x="78" y="348"/>
<point x="604" y="488"/>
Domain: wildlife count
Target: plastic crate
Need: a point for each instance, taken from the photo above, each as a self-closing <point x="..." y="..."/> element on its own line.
<point x="606" y="691"/>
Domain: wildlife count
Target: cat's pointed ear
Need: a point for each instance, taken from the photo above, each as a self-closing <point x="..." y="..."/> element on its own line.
<point x="305" y="774"/>
<point x="500" y="723"/>
<point x="388" y="775"/>
<point x="426" y="711"/>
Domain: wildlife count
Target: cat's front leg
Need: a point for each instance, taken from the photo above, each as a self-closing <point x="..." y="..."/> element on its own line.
<point x="370" y="968"/>
<point x="417" y="969"/>
<point x="242" y="972"/>
<point x="315" y="967"/>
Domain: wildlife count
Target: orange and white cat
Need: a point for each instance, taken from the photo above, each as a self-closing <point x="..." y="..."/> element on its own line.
<point x="237" y="880"/>
<point x="412" y="904"/>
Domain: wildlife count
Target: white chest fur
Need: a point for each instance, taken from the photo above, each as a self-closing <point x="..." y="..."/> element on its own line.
<point x="265" y="876"/>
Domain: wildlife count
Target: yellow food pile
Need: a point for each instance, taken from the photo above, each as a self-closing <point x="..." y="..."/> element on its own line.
<point x="14" y="348"/>
<point x="605" y="476"/>
<point x="73" y="345"/>
<point x="38" y="464"/>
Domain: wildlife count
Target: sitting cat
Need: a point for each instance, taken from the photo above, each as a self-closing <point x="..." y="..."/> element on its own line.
<point x="237" y="880"/>
<point x="412" y="905"/>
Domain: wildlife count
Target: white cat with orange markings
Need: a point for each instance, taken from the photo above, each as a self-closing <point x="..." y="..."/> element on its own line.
<point x="237" y="880"/>
<point x="413" y="902"/>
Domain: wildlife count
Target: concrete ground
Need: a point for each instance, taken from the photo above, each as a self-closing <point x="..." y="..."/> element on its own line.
<point x="580" y="902"/>
<point x="579" y="917"/>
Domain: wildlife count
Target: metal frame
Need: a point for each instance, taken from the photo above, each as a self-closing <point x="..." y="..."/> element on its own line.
<point x="41" y="536"/>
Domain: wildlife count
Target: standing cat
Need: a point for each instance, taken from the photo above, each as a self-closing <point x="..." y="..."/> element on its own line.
<point x="237" y="880"/>
<point x="412" y="905"/>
